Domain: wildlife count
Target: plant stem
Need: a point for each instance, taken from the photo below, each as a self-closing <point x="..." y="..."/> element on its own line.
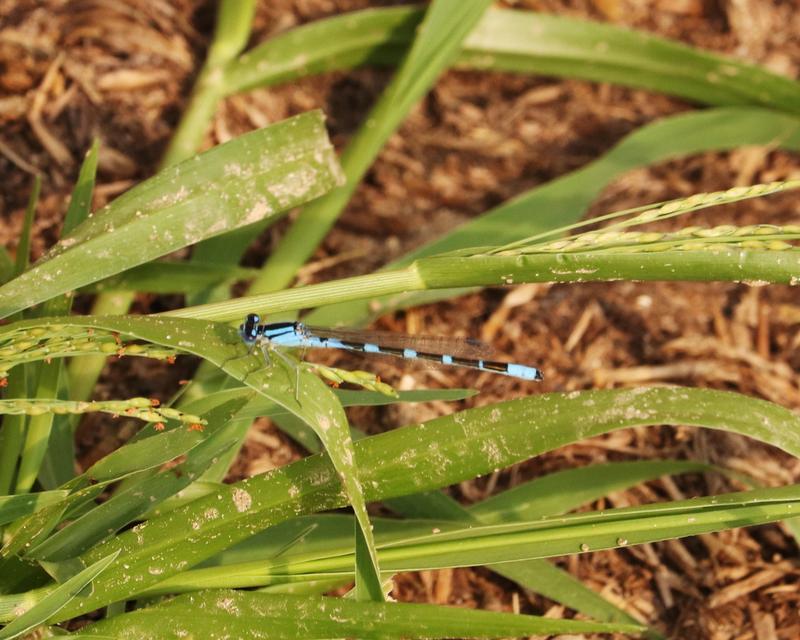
<point x="355" y="288"/>
<point x="726" y="265"/>
<point x="437" y="43"/>
<point x="234" y="20"/>
<point x="85" y="370"/>
<point x="12" y="433"/>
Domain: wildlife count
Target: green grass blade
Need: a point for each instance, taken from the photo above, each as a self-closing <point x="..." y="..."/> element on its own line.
<point x="126" y="506"/>
<point x="39" y="427"/>
<point x="368" y="587"/>
<point x="563" y="491"/>
<point x="519" y="41"/>
<point x="48" y="384"/>
<point x="542" y="577"/>
<point x="238" y="614"/>
<point x="55" y="600"/>
<point x="372" y="36"/>
<point x="12" y="435"/>
<point x="150" y="452"/>
<point x="57" y="467"/>
<point x="297" y="390"/>
<point x="6" y="266"/>
<point x="564" y="200"/>
<point x="24" y="245"/>
<point x="15" y="507"/>
<point x="356" y="288"/>
<point x="80" y="203"/>
<point x="443" y="275"/>
<point x="583" y="532"/>
<point x="537" y="575"/>
<point x="431" y="544"/>
<point x="236" y="184"/>
<point x="166" y="277"/>
<point x="555" y="493"/>
<point x="408" y="461"/>
<point x="606" y="53"/>
<point x="438" y="39"/>
<point x="234" y="20"/>
<point x="260" y="406"/>
<point x="720" y="265"/>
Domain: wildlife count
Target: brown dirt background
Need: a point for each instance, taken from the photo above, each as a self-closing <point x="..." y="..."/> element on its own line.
<point x="122" y="71"/>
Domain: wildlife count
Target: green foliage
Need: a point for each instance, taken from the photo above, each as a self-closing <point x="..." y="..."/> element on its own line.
<point x="55" y="601"/>
<point x="435" y="44"/>
<point x="253" y="177"/>
<point x="242" y="614"/>
<point x="167" y="525"/>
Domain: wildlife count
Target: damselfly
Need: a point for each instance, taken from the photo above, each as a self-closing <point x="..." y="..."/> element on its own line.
<point x="447" y="351"/>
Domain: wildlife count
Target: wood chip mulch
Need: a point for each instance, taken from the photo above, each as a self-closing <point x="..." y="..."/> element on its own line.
<point x="70" y="71"/>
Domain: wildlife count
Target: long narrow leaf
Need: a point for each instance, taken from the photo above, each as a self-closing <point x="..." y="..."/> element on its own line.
<point x="24" y="245"/>
<point x="12" y="433"/>
<point x="47" y="386"/>
<point x="555" y="493"/>
<point x="436" y="44"/>
<point x="55" y="600"/>
<point x="257" y="175"/>
<point x="563" y="491"/>
<point x="14" y="507"/>
<point x="237" y="614"/>
<point x="442" y="276"/>
<point x="432" y="544"/>
<point x="520" y="41"/>
<point x="564" y="200"/>
<point x="297" y="390"/>
<point x="410" y="460"/>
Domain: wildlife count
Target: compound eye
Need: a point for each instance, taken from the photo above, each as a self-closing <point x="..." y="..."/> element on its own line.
<point x="253" y="318"/>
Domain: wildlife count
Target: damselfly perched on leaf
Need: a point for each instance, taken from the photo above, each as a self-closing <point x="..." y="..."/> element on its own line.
<point x="447" y="351"/>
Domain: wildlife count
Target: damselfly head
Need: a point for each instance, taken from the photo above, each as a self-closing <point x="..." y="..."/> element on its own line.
<point x="248" y="330"/>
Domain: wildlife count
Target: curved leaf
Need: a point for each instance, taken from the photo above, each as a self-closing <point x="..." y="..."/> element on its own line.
<point x="438" y="277"/>
<point x="237" y="614"/>
<point x="436" y="43"/>
<point x="290" y="386"/>
<point x="565" y="490"/>
<point x="236" y="184"/>
<point x="415" y="459"/>
<point x="565" y="200"/>
<point x="432" y="544"/>
<point x="55" y="600"/>
<point x="521" y="41"/>
<point x="15" y="507"/>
